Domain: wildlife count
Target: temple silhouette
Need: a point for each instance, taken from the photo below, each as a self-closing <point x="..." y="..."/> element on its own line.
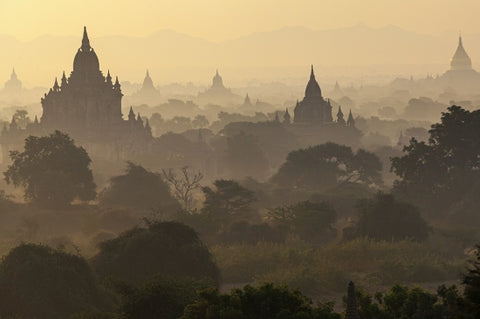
<point x="147" y="94"/>
<point x="217" y="93"/>
<point x="87" y="106"/>
<point x="314" y="109"/>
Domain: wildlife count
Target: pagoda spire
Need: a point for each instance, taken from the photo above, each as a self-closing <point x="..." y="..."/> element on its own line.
<point x="109" y="78"/>
<point x="56" y="87"/>
<point x="13" y="124"/>
<point x="350" y="120"/>
<point x="351" y="311"/>
<point x="131" y="114"/>
<point x="312" y="89"/>
<point x="286" y="117"/>
<point x="85" y="40"/>
<point x="148" y="129"/>
<point x="64" y="80"/>
<point x="340" y="119"/>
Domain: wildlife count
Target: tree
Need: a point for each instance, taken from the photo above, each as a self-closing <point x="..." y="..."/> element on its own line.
<point x="245" y="157"/>
<point x="53" y="170"/>
<point x="184" y="185"/>
<point x="170" y="249"/>
<point x="438" y="173"/>
<point x="263" y="302"/>
<point x="39" y="282"/>
<point x="161" y="297"/>
<point x="385" y="218"/>
<point x="328" y="165"/>
<point x="200" y="121"/>
<point x="471" y="280"/>
<point x="141" y="189"/>
<point x="21" y="118"/>
<point x="310" y="221"/>
<point x="228" y="200"/>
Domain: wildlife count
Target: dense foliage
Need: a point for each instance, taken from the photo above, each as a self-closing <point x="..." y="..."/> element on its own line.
<point x="385" y="218"/>
<point x="262" y="302"/>
<point x="327" y="165"/>
<point x="166" y="248"/>
<point x="228" y="200"/>
<point x="39" y="282"/>
<point x="53" y="170"/>
<point x="439" y="173"/>
<point x="141" y="189"/>
<point x="309" y="220"/>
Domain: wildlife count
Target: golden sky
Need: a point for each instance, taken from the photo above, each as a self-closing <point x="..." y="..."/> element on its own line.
<point x="218" y="20"/>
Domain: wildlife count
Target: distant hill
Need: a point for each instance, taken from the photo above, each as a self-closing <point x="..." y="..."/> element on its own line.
<point x="173" y="56"/>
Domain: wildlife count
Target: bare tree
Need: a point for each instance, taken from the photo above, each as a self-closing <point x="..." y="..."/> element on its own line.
<point x="183" y="185"/>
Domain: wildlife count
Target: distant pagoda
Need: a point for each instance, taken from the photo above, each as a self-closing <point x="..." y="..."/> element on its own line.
<point x="313" y="109"/>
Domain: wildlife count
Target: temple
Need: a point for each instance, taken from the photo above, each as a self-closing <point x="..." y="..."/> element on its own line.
<point x="313" y="109"/>
<point x="351" y="312"/>
<point x="13" y="84"/>
<point x="87" y="106"/>
<point x="461" y="75"/>
<point x="218" y="93"/>
<point x="147" y="94"/>
<point x="460" y="60"/>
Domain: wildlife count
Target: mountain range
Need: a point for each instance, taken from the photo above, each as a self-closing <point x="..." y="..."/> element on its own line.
<point x="273" y="55"/>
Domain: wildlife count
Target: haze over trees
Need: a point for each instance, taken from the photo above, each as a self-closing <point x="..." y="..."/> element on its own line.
<point x="328" y="165"/>
<point x="443" y="172"/>
<point x="52" y="170"/>
<point x="141" y="189"/>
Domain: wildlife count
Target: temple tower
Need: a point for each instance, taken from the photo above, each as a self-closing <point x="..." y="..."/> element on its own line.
<point x="460" y="60"/>
<point x="352" y="311"/>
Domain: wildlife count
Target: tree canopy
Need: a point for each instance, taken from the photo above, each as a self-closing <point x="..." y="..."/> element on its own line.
<point x="262" y="302"/>
<point x="438" y="173"/>
<point x="167" y="248"/>
<point x="53" y="170"/>
<point x="39" y="282"/>
<point x="328" y="165"/>
<point x="227" y="199"/>
<point x="385" y="218"/>
<point x="141" y="189"/>
<point x="311" y="221"/>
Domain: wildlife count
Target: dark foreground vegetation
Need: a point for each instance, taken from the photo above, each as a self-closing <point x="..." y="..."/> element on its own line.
<point x="171" y="243"/>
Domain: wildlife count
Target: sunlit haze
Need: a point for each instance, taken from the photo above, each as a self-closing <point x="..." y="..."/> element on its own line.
<point x="218" y="20"/>
<point x="246" y="39"/>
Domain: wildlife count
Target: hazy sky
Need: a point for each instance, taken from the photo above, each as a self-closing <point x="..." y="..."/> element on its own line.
<point x="218" y="20"/>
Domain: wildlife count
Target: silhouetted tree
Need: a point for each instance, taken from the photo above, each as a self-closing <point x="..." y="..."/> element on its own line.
<point x="385" y="218"/>
<point x="53" y="170"/>
<point x="141" y="189"/>
<point x="200" y="121"/>
<point x="327" y="165"/>
<point x="21" y="118"/>
<point x="471" y="280"/>
<point x="310" y="221"/>
<point x="245" y="157"/>
<point x="227" y="201"/>
<point x="438" y="173"/>
<point x="263" y="302"/>
<point x="159" y="298"/>
<point x="39" y="282"/>
<point x="167" y="248"/>
<point x="184" y="185"/>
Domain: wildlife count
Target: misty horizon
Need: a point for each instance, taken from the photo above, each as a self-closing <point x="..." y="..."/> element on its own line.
<point x="238" y="66"/>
